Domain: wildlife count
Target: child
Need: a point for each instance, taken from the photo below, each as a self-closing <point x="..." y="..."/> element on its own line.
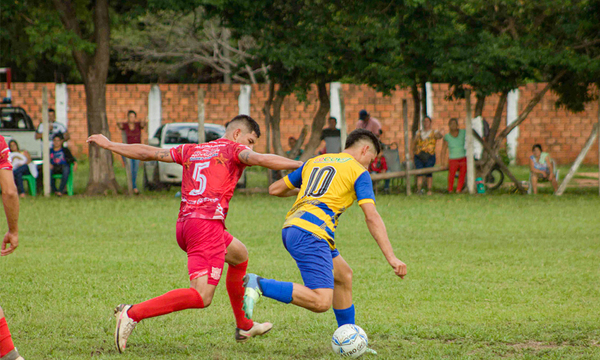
<point x="379" y="166"/>
<point x="60" y="163"/>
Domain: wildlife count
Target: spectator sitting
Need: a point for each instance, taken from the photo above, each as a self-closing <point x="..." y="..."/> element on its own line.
<point x="60" y="163"/>
<point x="22" y="165"/>
<point x="367" y="122"/>
<point x="291" y="143"/>
<point x="379" y="166"/>
<point x="423" y="146"/>
<point x="540" y="165"/>
<point x="454" y="143"/>
<point x="133" y="134"/>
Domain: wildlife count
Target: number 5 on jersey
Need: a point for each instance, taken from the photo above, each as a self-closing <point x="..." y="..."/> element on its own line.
<point x="201" y="179"/>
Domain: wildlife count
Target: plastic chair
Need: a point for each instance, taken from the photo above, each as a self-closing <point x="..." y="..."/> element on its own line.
<point x="333" y="144"/>
<point x="31" y="184"/>
<point x="69" y="181"/>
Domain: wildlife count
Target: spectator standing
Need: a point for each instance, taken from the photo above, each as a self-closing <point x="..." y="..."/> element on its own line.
<point x="331" y="132"/>
<point x="133" y="135"/>
<point x="60" y="163"/>
<point x="454" y="143"/>
<point x="55" y="128"/>
<point x="423" y="146"/>
<point x="22" y="165"/>
<point x="541" y="167"/>
<point x="367" y="122"/>
<point x="379" y="166"/>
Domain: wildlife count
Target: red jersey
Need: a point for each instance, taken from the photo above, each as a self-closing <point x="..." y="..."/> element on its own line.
<point x="5" y="163"/>
<point x="210" y="174"/>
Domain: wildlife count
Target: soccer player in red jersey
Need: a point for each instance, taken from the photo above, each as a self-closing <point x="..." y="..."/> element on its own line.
<point x="210" y="174"/>
<point x="10" y="200"/>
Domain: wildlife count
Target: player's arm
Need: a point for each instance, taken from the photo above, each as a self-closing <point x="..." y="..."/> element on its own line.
<point x="132" y="151"/>
<point x="289" y="185"/>
<point x="379" y="233"/>
<point x="10" y="200"/>
<point x="270" y="161"/>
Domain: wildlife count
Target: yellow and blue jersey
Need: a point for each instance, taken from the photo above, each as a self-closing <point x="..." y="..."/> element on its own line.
<point x="329" y="184"/>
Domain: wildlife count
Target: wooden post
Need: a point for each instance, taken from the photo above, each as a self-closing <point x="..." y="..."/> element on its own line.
<point x="45" y="142"/>
<point x="201" y="137"/>
<point x="469" y="141"/>
<point x="343" y="128"/>
<point x="406" y="143"/>
<point x="580" y="157"/>
<point x="598" y="141"/>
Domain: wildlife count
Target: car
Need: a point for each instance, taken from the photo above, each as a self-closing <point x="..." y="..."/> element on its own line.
<point x="158" y="175"/>
<point x="16" y="125"/>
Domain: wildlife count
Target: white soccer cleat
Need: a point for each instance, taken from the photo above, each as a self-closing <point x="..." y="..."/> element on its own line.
<point x="13" y="355"/>
<point x="257" y="329"/>
<point x="125" y="326"/>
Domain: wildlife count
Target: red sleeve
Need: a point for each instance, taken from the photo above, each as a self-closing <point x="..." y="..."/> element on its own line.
<point x="384" y="164"/>
<point x="236" y="150"/>
<point x="177" y="154"/>
<point x="4" y="151"/>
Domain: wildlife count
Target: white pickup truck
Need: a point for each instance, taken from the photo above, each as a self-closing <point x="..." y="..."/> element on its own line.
<point x="16" y="125"/>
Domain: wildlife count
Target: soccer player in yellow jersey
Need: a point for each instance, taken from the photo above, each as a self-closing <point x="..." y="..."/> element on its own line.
<point x="329" y="184"/>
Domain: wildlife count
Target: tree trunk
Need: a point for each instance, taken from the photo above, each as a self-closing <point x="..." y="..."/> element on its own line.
<point x="488" y="162"/>
<point x="479" y="105"/>
<point x="276" y="121"/>
<point x="102" y="176"/>
<point x="318" y="122"/>
<point x="417" y="108"/>
<point x="94" y="71"/>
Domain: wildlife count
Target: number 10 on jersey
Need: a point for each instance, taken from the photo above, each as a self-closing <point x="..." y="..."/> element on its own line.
<point x="201" y="179"/>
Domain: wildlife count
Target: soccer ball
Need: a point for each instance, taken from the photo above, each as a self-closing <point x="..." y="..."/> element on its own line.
<point x="350" y="341"/>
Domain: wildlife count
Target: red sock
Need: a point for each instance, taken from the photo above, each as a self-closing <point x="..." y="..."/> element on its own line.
<point x="175" y="300"/>
<point x="6" y="344"/>
<point x="235" y="289"/>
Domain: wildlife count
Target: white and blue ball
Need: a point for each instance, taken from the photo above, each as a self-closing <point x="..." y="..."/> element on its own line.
<point x="349" y="341"/>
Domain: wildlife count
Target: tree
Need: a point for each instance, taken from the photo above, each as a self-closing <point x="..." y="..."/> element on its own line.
<point x="165" y="41"/>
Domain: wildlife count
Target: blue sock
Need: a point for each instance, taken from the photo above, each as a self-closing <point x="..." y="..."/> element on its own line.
<point x="344" y="316"/>
<point x="277" y="290"/>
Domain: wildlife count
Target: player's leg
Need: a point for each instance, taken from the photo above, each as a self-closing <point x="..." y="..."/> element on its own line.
<point x="453" y="166"/>
<point x="343" y="308"/>
<point x="462" y="174"/>
<point x="203" y="242"/>
<point x="7" y="348"/>
<point x="313" y="257"/>
<point x="534" y="183"/>
<point x="237" y="259"/>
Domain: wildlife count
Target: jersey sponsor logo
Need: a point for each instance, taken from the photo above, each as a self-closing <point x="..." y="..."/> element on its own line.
<point x="199" y="201"/>
<point x="216" y="273"/>
<point x="329" y="159"/>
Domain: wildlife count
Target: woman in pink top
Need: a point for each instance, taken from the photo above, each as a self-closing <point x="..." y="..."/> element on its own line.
<point x="368" y="123"/>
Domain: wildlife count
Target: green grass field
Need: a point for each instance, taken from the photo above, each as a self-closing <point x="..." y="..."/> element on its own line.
<point x="489" y="277"/>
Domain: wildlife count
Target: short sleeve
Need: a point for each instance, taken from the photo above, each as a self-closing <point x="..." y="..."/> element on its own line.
<point x="236" y="150"/>
<point x="62" y="128"/>
<point x="177" y="154"/>
<point x="363" y="186"/>
<point x="5" y="163"/>
<point x="294" y="180"/>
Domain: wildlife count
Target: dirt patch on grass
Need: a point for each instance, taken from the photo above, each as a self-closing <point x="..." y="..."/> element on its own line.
<point x="535" y="345"/>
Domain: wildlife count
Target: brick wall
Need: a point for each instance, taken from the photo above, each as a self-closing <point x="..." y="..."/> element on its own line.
<point x="560" y="132"/>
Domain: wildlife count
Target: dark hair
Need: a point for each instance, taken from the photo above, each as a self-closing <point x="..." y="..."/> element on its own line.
<point x="131" y="112"/>
<point x="537" y="146"/>
<point x="292" y="138"/>
<point x="362" y="134"/>
<point x="51" y="110"/>
<point x="250" y="124"/>
<point x="59" y="135"/>
<point x="453" y="119"/>
<point x="427" y="117"/>
<point x="332" y="118"/>
<point x="16" y="143"/>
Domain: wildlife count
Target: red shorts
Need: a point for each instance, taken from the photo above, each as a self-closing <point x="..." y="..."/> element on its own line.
<point x="205" y="242"/>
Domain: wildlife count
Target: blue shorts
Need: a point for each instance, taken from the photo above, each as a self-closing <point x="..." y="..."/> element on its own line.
<point x="313" y="256"/>
<point x="419" y="164"/>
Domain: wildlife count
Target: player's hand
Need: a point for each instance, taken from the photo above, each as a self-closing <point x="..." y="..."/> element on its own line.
<point x="9" y="244"/>
<point x="399" y="267"/>
<point x="99" y="140"/>
<point x="75" y="166"/>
